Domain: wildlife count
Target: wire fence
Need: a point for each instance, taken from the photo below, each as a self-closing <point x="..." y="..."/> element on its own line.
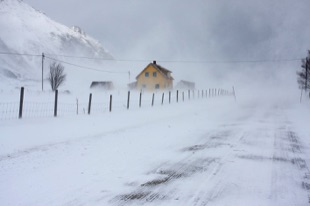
<point x="42" y="105"/>
<point x="9" y="110"/>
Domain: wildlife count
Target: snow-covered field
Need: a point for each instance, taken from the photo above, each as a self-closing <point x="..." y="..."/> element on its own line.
<point x="214" y="151"/>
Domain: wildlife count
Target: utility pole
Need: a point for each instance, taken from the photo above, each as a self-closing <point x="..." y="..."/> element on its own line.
<point x="42" y="68"/>
<point x="307" y="68"/>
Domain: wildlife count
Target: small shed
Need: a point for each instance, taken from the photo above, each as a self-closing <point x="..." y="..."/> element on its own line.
<point x="185" y="85"/>
<point x="102" y="85"/>
<point x="132" y="85"/>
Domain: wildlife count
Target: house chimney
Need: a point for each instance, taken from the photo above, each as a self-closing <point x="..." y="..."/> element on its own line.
<point x="154" y="62"/>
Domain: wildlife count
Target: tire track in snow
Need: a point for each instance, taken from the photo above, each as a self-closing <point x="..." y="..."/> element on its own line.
<point x="299" y="161"/>
<point x="163" y="187"/>
<point x="168" y="176"/>
<point x="288" y="147"/>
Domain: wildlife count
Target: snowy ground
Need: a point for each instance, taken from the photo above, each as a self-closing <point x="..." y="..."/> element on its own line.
<point x="201" y="152"/>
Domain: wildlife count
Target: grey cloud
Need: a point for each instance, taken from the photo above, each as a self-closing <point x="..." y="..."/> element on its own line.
<point x="199" y="28"/>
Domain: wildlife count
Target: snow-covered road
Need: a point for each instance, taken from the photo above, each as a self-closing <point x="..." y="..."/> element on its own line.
<point x="204" y="152"/>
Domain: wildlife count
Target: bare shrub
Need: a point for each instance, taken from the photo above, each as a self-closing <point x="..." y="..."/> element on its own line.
<point x="56" y="75"/>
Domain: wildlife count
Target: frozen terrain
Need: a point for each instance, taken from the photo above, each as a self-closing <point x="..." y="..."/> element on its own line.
<point x="211" y="151"/>
<point x="253" y="150"/>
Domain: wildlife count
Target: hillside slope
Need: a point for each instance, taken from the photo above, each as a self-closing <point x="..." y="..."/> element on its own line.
<point x="25" y="30"/>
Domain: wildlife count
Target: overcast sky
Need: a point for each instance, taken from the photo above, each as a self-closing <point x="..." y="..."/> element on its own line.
<point x="202" y="30"/>
<point x="183" y="29"/>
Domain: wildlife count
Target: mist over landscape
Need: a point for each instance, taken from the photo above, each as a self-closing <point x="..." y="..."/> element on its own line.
<point x="194" y="103"/>
<point x="208" y="42"/>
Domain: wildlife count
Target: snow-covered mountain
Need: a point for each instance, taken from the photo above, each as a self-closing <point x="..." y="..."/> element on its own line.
<point x="25" y="30"/>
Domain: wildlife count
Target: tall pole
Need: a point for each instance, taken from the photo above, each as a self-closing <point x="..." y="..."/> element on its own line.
<point x="42" y="68"/>
<point x="56" y="102"/>
<point x="21" y="103"/>
<point x="306" y="82"/>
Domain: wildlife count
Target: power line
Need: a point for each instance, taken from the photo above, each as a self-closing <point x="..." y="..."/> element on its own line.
<point x="235" y="61"/>
<point x="19" y="54"/>
<point x="101" y="58"/>
<point x="80" y="57"/>
<point x="83" y="67"/>
<point x="185" y="61"/>
<point x="166" y="61"/>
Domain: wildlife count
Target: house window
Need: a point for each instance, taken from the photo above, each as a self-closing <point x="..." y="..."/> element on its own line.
<point x="154" y="74"/>
<point x="156" y="86"/>
<point x="147" y="74"/>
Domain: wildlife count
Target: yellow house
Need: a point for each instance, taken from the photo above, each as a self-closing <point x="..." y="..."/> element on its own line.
<point x="154" y="77"/>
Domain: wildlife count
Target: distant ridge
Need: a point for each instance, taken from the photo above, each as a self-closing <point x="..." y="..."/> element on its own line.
<point x="25" y="30"/>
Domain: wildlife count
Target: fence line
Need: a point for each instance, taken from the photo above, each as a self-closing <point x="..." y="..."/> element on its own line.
<point x="99" y="104"/>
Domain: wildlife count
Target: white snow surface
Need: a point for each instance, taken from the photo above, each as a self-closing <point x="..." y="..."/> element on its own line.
<point x="211" y="151"/>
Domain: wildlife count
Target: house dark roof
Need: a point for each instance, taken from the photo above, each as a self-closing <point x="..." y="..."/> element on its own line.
<point x="165" y="72"/>
<point x="102" y="84"/>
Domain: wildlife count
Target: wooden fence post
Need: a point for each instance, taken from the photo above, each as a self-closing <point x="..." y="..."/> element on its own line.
<point x="56" y="103"/>
<point x="77" y="106"/>
<point x="177" y="96"/>
<point x="189" y="94"/>
<point x="153" y="99"/>
<point x="140" y="99"/>
<point x="128" y="99"/>
<point x="110" y="107"/>
<point x="21" y="103"/>
<point x="234" y="93"/>
<point x="169" y="97"/>
<point x="162" y="99"/>
<point x="89" y="103"/>
<point x="183" y="96"/>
